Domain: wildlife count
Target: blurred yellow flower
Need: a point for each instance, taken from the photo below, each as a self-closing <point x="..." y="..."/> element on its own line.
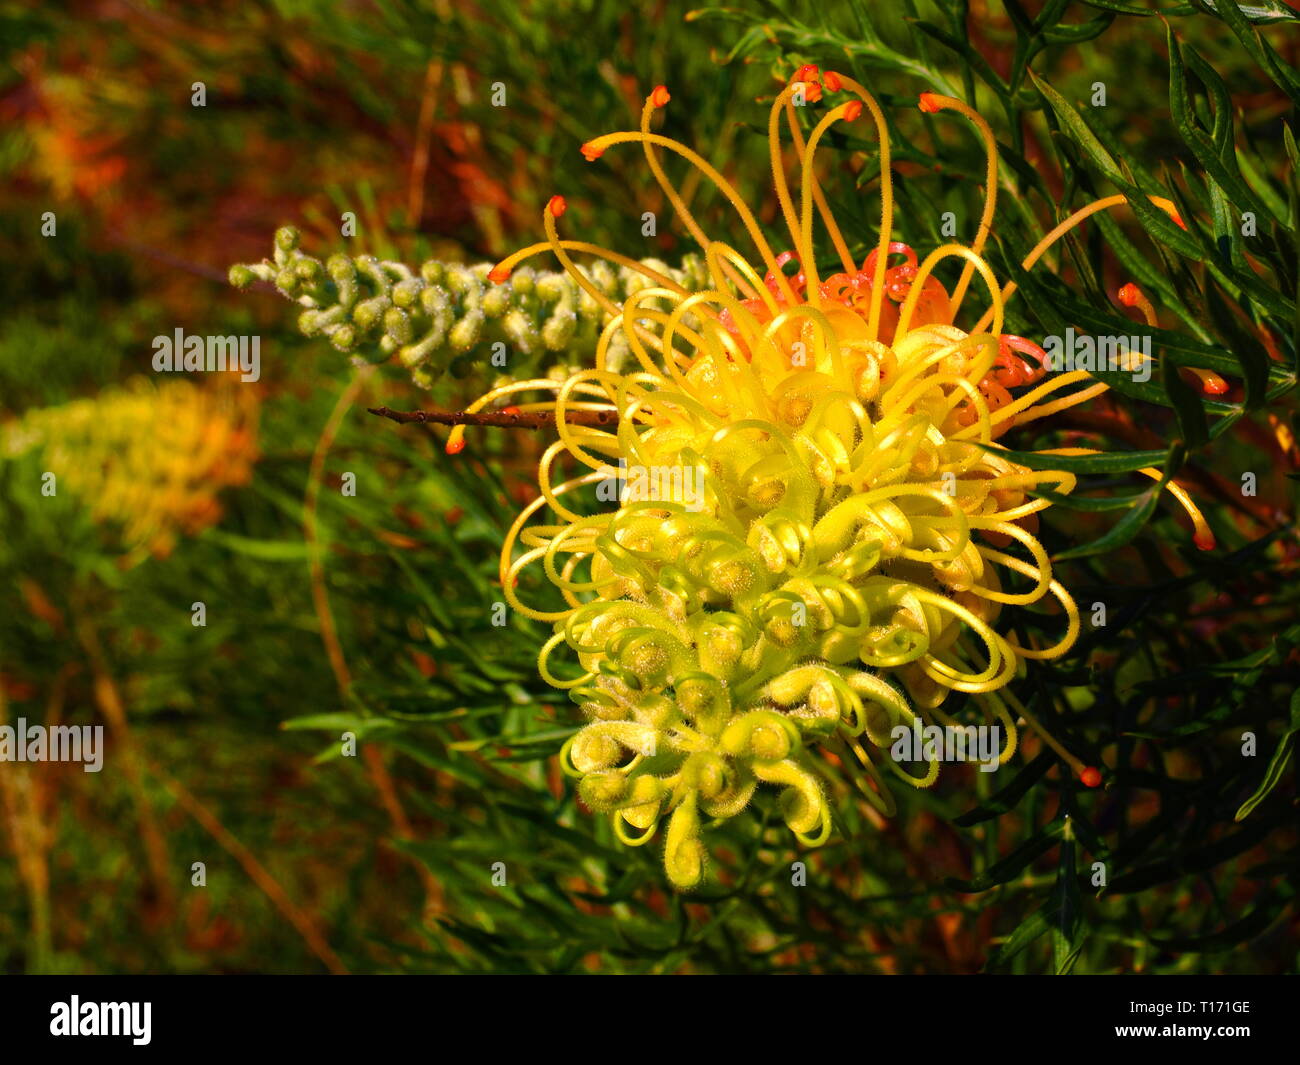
<point x="148" y="460"/>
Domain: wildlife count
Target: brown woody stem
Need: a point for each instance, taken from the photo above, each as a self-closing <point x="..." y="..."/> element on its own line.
<point x="500" y="418"/>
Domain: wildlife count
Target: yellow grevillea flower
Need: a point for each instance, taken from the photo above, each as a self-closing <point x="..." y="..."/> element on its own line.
<point x="147" y="460"/>
<point x="838" y="567"/>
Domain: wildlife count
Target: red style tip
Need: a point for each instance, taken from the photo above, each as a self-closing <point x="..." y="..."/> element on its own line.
<point x="455" y="447"/>
<point x="498" y="274"/>
<point x="1206" y="542"/>
<point x="511" y="410"/>
<point x="556" y="205"/>
<point x="1091" y="777"/>
<point x="1130" y="294"/>
<point x="660" y="96"/>
<point x="929" y="103"/>
<point x="1214" y="385"/>
<point x="807" y="72"/>
<point x="1178" y="221"/>
<point x="852" y="110"/>
<point x="832" y="81"/>
<point x="591" y="152"/>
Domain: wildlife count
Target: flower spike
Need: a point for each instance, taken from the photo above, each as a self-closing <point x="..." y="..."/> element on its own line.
<point x="827" y="555"/>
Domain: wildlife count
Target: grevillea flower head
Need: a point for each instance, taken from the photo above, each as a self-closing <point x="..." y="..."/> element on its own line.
<point x="150" y="486"/>
<point x="855" y="531"/>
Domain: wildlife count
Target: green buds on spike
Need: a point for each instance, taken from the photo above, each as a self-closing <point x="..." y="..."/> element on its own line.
<point x="444" y="312"/>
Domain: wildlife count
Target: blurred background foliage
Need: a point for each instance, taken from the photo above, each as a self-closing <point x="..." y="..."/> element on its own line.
<point x="370" y="613"/>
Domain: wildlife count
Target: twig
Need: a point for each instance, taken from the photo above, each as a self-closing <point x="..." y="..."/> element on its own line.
<point x="112" y="706"/>
<point x="505" y="419"/>
<point x="30" y="843"/>
<point x="374" y="759"/>
<point x="324" y="615"/>
<point x="423" y="132"/>
<point x="255" y="870"/>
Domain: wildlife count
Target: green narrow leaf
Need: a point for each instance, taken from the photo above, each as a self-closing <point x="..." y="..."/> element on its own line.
<point x="1008" y="797"/>
<point x="1079" y="32"/>
<point x="1288" y="139"/>
<point x="1029" y="930"/>
<point x="1264" y="11"/>
<point x="1216" y="152"/>
<point x="1187" y="405"/>
<point x="1109" y="462"/>
<point x="1293" y="195"/>
<point x="1078" y="129"/>
<point x="1159" y="225"/>
<point x="1249" y="162"/>
<point x="1254" y="358"/>
<point x="1127" y="528"/>
<point x="1277" y="765"/>
<point x="1260" y="50"/>
<point x="1120" y="9"/>
<point x="1225" y="229"/>
<point x="1089" y="506"/>
<point x="1009" y="867"/>
<point x="977" y="62"/>
<point x="1067" y="927"/>
<point x="266" y="550"/>
<point x="1262" y="914"/>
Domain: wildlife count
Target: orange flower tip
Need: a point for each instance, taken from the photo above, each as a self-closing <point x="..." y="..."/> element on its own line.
<point x="1130" y="294"/>
<point x="1205" y="541"/>
<point x="1091" y="777"/>
<point x="832" y="81"/>
<point x="929" y="103"/>
<point x="455" y="447"/>
<point x="510" y="410"/>
<point x="591" y="151"/>
<point x="1213" y="385"/>
<point x="808" y="72"/>
<point x="499" y="274"/>
<point x="557" y="206"/>
<point x="660" y="96"/>
<point x="852" y="110"/>
<point x="1178" y="221"/>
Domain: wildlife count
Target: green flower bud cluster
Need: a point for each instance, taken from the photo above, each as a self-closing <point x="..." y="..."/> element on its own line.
<point x="448" y="317"/>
